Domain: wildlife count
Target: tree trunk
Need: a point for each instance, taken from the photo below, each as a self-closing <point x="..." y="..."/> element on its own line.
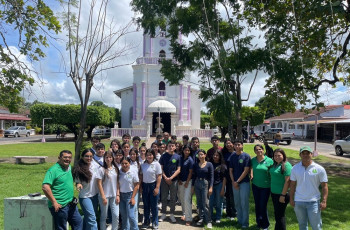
<point x="238" y="109"/>
<point x="80" y="138"/>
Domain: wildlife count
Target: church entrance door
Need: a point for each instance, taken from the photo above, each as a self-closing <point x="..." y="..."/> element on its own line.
<point x="165" y="119"/>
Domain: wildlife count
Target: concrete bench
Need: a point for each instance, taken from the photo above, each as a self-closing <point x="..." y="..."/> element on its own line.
<point x="19" y="158"/>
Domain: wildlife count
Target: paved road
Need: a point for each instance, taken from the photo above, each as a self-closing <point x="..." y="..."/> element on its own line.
<point x="324" y="149"/>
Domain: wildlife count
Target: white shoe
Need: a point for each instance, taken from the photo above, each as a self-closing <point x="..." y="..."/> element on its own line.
<point x="209" y="225"/>
<point x="200" y="222"/>
<point x="162" y="218"/>
<point x="172" y="218"/>
<point x="232" y="218"/>
<point x="218" y="221"/>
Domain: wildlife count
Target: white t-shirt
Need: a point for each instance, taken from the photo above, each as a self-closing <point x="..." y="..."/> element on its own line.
<point x="89" y="189"/>
<point x="134" y="167"/>
<point x="158" y="155"/>
<point x="150" y="171"/>
<point x="109" y="182"/>
<point x="127" y="180"/>
<point x="308" y="181"/>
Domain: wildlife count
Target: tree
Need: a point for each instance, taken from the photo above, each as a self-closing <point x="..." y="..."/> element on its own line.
<point x="92" y="50"/>
<point x="69" y="115"/>
<point x="308" y="43"/>
<point x="345" y="102"/>
<point x="27" y="26"/>
<point x="98" y="103"/>
<point x="221" y="51"/>
<point x="275" y="106"/>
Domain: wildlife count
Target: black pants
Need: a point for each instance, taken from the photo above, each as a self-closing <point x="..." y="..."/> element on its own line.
<point x="279" y="210"/>
<point x="230" y="203"/>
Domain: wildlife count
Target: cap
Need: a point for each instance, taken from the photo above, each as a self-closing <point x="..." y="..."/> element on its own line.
<point x="305" y="148"/>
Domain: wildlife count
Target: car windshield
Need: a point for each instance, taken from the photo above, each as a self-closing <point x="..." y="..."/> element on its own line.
<point x="13" y="128"/>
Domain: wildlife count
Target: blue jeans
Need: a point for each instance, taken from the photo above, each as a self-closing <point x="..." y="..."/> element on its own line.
<point x="201" y="188"/>
<point x="127" y="212"/>
<point x="89" y="207"/>
<point x="150" y="203"/>
<point x="308" y="211"/>
<point x="104" y="210"/>
<point x="261" y="197"/>
<point x="68" y="213"/>
<point x="241" y="197"/>
<point x="216" y="201"/>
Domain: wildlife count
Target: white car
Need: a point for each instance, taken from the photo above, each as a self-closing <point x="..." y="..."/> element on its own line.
<point x="342" y="146"/>
<point x="17" y="131"/>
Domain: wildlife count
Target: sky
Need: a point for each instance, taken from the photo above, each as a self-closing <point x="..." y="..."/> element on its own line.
<point x="56" y="88"/>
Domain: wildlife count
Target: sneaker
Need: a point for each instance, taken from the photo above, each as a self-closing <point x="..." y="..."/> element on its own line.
<point x="209" y="225"/>
<point x="144" y="226"/>
<point x="200" y="222"/>
<point x="162" y="218"/>
<point x="218" y="221"/>
<point x="155" y="227"/>
<point x="172" y="218"/>
<point x="232" y="218"/>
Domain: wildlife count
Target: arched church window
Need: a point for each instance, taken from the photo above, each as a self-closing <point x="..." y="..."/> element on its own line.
<point x="161" y="88"/>
<point x="162" y="54"/>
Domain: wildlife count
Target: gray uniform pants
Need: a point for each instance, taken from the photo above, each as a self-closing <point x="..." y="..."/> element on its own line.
<point x="165" y="189"/>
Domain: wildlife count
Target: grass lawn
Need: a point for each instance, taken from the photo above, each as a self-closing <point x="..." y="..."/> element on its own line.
<point x="18" y="180"/>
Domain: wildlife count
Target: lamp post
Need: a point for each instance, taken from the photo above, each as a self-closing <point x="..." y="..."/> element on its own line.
<point x="43" y="138"/>
<point x="315" y="153"/>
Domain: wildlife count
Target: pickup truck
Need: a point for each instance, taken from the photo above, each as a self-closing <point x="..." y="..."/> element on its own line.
<point x="17" y="131"/>
<point x="269" y="135"/>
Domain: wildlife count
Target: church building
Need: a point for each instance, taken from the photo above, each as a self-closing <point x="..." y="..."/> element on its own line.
<point x="151" y="97"/>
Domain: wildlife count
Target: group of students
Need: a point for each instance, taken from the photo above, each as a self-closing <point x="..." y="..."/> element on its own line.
<point x="172" y="171"/>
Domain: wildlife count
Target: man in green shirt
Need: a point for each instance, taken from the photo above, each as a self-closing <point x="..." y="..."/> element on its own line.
<point x="58" y="188"/>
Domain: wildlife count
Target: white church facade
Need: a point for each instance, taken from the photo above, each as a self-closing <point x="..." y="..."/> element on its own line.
<point x="151" y="97"/>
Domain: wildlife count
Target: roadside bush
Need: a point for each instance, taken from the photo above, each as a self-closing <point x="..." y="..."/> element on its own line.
<point x="37" y="130"/>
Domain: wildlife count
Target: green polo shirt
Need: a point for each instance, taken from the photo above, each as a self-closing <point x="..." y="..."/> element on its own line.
<point x="261" y="177"/>
<point x="61" y="182"/>
<point x="277" y="178"/>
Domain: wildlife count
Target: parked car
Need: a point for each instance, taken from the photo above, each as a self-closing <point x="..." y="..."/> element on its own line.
<point x="342" y="146"/>
<point x="269" y="135"/>
<point x="17" y="131"/>
<point x="101" y="131"/>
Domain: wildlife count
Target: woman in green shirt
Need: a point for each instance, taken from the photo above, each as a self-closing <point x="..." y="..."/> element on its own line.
<point x="261" y="185"/>
<point x="280" y="172"/>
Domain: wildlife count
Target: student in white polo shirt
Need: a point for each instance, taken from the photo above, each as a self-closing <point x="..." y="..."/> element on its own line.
<point x="150" y="176"/>
<point x="305" y="196"/>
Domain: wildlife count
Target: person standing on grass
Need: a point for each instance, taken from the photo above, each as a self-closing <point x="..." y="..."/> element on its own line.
<point x="94" y="141"/>
<point x="135" y="166"/>
<point x="305" y="180"/>
<point x="185" y="185"/>
<point x="85" y="177"/>
<point x="171" y="167"/>
<point x="98" y="157"/>
<point x="129" y="187"/>
<point x="142" y="153"/>
<point x="126" y="138"/>
<point x="195" y="148"/>
<point x="126" y="149"/>
<point x="203" y="179"/>
<point x="216" y="198"/>
<point x="261" y="185"/>
<point x="227" y="152"/>
<point x="215" y="141"/>
<point x="166" y="138"/>
<point x="108" y="186"/>
<point x="136" y="140"/>
<point x="280" y="173"/>
<point x="240" y="164"/>
<point x="59" y="189"/>
<point x="185" y="139"/>
<point x="150" y="177"/>
<point x="115" y="146"/>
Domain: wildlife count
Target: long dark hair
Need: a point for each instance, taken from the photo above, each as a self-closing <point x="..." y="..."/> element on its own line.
<point x="283" y="163"/>
<point x="110" y="153"/>
<point x="82" y="170"/>
<point x="183" y="148"/>
<point x="137" y="158"/>
<point x="224" y="149"/>
<point x="221" y="161"/>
